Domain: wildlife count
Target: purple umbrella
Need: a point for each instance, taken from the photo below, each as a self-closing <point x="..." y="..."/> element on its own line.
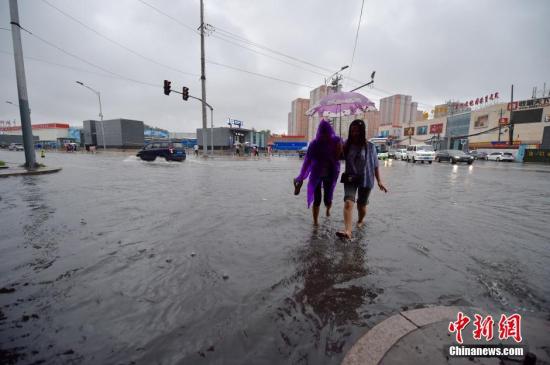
<point x="342" y="102"/>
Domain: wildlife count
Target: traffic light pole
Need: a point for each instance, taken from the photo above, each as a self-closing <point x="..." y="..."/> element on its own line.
<point x="204" y="105"/>
<point x="24" y="110"/>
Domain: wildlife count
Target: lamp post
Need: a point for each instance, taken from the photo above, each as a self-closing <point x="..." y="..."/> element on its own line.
<point x="100" y="110"/>
<point x="335" y="73"/>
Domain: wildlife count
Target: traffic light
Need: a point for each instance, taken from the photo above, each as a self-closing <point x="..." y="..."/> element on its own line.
<point x="185" y="93"/>
<point x="167" y="87"/>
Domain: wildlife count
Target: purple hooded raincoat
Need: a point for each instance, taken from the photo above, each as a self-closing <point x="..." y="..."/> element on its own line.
<point x="322" y="154"/>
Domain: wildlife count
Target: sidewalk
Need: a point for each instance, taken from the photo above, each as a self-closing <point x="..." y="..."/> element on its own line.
<point x="421" y="336"/>
<point x="16" y="170"/>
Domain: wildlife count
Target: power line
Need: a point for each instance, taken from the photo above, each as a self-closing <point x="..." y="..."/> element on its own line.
<point x="115" y="42"/>
<point x="257" y="74"/>
<point x="80" y="58"/>
<point x="239" y="38"/>
<point x="356" y="38"/>
<point x="83" y="70"/>
<point x="244" y="40"/>
<point x="235" y="37"/>
<point x="266" y="55"/>
<point x="171" y="17"/>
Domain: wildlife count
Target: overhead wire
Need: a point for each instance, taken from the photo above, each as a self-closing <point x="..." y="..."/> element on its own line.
<point x="99" y="34"/>
<point x="356" y="38"/>
<point x="83" y="70"/>
<point x="257" y="74"/>
<point x="239" y="38"/>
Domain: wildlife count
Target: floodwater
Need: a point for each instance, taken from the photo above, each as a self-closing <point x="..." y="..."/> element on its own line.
<point x="119" y="261"/>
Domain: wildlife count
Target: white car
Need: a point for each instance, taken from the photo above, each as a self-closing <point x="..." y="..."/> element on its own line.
<point x="420" y="152"/>
<point x="501" y="156"/>
<point x="401" y="154"/>
<point x="16" y="147"/>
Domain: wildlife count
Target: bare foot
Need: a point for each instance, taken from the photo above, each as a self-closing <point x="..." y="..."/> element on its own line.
<point x="315" y="223"/>
<point x="328" y="212"/>
<point x="344" y="234"/>
<point x="360" y="224"/>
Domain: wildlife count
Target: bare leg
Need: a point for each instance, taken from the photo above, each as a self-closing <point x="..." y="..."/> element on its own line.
<point x="328" y="209"/>
<point x="362" y="212"/>
<point x="315" y="212"/>
<point x="348" y="220"/>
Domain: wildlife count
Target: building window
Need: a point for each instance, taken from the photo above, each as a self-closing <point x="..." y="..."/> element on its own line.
<point x="422" y="130"/>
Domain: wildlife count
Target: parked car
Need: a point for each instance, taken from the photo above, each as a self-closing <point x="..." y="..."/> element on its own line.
<point x="171" y="151"/>
<point x="478" y="155"/>
<point x="420" y="152"/>
<point x="391" y="153"/>
<point x="401" y="154"/>
<point x="302" y="152"/>
<point x="453" y="156"/>
<point x="16" y="147"/>
<point x="501" y="156"/>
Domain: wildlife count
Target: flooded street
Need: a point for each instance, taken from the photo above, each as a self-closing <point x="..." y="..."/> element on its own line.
<point x="119" y="261"/>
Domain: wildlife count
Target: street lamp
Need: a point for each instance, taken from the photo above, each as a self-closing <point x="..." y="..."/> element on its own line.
<point x="100" y="110"/>
<point x="16" y="105"/>
<point x="340" y="70"/>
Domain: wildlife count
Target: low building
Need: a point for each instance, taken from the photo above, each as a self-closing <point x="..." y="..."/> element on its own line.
<point x="490" y="127"/>
<point x="54" y="134"/>
<point x="226" y="138"/>
<point x="119" y="133"/>
<point x="182" y="135"/>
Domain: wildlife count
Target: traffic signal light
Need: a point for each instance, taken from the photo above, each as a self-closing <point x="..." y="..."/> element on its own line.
<point x="167" y="87"/>
<point x="185" y="93"/>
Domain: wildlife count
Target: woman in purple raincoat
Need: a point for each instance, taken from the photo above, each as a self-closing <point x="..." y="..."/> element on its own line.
<point x="322" y="165"/>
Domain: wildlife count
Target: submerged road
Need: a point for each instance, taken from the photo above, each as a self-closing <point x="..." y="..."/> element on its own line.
<point x="118" y="261"/>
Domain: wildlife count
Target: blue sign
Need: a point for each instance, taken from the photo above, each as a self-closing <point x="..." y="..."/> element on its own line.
<point x="154" y="133"/>
<point x="74" y="133"/>
<point x="235" y="122"/>
<point x="289" y="146"/>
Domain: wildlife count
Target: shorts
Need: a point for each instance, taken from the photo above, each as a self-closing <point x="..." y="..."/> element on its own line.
<point x="350" y="190"/>
<point x="326" y="183"/>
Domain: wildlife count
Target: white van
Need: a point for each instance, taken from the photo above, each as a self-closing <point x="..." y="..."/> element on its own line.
<point x="420" y="152"/>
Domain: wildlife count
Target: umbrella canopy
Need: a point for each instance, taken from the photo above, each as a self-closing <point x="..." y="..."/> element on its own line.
<point x="342" y="102"/>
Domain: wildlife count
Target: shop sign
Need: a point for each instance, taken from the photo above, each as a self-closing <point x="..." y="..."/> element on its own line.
<point x="481" y="100"/>
<point x="529" y="104"/>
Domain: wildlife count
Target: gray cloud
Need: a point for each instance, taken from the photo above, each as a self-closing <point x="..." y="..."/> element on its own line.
<point x="433" y="50"/>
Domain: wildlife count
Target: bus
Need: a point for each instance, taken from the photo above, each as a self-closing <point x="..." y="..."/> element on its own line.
<point x="382" y="145"/>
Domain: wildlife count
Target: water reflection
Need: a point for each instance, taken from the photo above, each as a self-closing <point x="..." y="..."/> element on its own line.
<point x="330" y="290"/>
<point x="35" y="233"/>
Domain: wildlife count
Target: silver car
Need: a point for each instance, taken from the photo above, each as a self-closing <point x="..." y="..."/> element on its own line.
<point x="501" y="156"/>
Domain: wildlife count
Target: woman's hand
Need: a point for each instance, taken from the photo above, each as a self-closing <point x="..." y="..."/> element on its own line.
<point x="382" y="187"/>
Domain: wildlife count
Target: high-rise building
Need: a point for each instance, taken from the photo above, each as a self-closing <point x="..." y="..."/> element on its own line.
<point x="289" y="125"/>
<point x="372" y="119"/>
<point x="315" y="96"/>
<point x="298" y="120"/>
<point x="398" y="110"/>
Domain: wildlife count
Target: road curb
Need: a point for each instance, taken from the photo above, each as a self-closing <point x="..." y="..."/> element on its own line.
<point x="372" y="346"/>
<point x="22" y="172"/>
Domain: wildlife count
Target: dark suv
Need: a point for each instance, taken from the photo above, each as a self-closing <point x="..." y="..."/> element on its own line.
<point x="171" y="151"/>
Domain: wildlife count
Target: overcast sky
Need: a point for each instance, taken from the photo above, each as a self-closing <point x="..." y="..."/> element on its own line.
<point x="434" y="50"/>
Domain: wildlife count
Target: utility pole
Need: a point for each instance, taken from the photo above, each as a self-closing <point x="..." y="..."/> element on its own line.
<point x="24" y="110"/>
<point x="511" y="123"/>
<point x="203" y="83"/>
<point x="500" y="125"/>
